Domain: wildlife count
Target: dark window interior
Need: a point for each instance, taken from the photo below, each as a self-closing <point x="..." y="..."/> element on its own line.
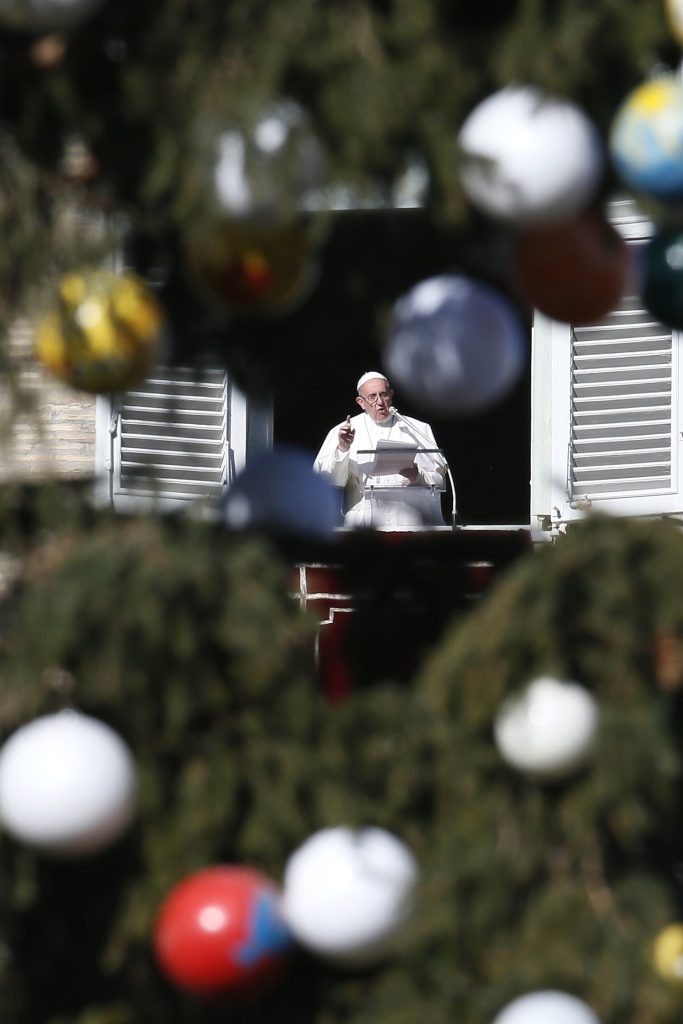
<point x="368" y="260"/>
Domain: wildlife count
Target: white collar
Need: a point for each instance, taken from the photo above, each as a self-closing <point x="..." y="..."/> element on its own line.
<point x="386" y="425"/>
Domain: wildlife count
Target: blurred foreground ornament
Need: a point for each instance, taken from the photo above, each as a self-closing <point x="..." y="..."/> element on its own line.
<point x="667" y="953"/>
<point x="549" y="730"/>
<point x="78" y="164"/>
<point x="546" y="1007"/>
<point x="45" y="15"/>
<point x="250" y="248"/>
<point x="220" y="934"/>
<point x="280" y="490"/>
<point x="252" y="267"/>
<point x="646" y="139"/>
<point x="529" y="158"/>
<point x="349" y="893"/>
<point x="264" y="171"/>
<point x="574" y="272"/>
<point x="104" y="334"/>
<point x="662" y="276"/>
<point x="456" y="345"/>
<point x="49" y="51"/>
<point x="67" y="784"/>
<point x="674" y="16"/>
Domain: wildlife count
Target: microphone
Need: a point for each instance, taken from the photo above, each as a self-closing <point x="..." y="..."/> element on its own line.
<point x="414" y="430"/>
<point x="423" y="437"/>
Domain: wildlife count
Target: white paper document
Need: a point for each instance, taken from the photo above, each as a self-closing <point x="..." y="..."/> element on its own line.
<point x="391" y="457"/>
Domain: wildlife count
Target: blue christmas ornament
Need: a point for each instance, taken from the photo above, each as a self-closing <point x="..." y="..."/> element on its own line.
<point x="662" y="276"/>
<point x="646" y="140"/>
<point x="456" y="345"/>
<point x="280" y="490"/>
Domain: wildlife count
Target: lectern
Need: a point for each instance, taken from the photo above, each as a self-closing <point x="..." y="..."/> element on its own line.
<point x="388" y="502"/>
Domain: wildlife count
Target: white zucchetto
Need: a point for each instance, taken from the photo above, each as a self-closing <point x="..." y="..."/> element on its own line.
<point x="370" y="375"/>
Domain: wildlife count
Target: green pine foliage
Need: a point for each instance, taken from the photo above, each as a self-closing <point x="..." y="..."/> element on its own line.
<point x="191" y="646"/>
<point x="187" y="639"/>
<point x="189" y="642"/>
<point x="105" y="118"/>
<point x="567" y="885"/>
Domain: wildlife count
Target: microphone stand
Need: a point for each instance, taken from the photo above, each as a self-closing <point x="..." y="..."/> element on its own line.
<point x="423" y="437"/>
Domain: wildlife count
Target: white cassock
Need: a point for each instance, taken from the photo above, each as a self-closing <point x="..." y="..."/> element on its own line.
<point x="388" y="501"/>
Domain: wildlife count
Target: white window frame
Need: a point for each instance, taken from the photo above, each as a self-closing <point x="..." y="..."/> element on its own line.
<point x="552" y="504"/>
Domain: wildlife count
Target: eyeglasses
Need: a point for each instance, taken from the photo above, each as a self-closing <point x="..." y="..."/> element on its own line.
<point x="374" y="399"/>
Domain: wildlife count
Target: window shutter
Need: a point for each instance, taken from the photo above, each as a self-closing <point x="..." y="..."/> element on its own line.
<point x="173" y="431"/>
<point x="622" y="435"/>
<point x="606" y="411"/>
<point x="180" y="435"/>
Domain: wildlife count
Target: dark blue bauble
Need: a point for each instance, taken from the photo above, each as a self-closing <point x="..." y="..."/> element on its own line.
<point x="662" y="276"/>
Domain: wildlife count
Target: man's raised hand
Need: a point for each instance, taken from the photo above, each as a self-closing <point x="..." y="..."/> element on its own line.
<point x="346" y="435"/>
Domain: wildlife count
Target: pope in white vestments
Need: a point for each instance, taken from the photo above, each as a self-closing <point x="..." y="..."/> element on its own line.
<point x="385" y="487"/>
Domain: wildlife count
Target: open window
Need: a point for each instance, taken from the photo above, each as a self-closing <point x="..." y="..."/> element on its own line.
<point x="606" y="408"/>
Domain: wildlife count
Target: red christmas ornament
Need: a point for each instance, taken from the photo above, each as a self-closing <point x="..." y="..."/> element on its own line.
<point x="575" y="272"/>
<point x="249" y="276"/>
<point x="220" y="934"/>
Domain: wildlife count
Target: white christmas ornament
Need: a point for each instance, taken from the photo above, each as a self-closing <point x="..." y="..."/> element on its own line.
<point x="348" y="893"/>
<point x="67" y="784"/>
<point x="280" y="489"/>
<point x="456" y="345"/>
<point x="529" y="158"/>
<point x="546" y="1007"/>
<point x="45" y="15"/>
<point x="549" y="730"/>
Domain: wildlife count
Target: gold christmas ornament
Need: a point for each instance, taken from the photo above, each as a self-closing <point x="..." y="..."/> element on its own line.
<point x="251" y="266"/>
<point x="104" y="334"/>
<point x="667" y="953"/>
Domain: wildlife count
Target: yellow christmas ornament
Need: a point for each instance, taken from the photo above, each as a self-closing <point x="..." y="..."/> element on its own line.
<point x="667" y="953"/>
<point x="252" y="267"/>
<point x="104" y="333"/>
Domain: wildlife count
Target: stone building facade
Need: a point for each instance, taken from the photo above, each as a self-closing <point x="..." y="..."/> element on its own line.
<point x="47" y="429"/>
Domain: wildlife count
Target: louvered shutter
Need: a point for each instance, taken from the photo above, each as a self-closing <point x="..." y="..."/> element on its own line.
<point x="167" y="440"/>
<point x="172" y="435"/>
<point x="622" y="431"/>
<point x="606" y="410"/>
<point x="179" y="436"/>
